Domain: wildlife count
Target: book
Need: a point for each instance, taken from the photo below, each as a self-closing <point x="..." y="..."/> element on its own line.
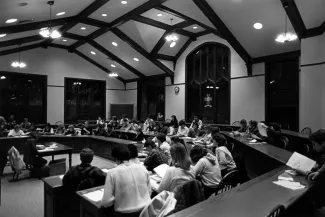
<point x="300" y="163"/>
<point x="161" y="170"/>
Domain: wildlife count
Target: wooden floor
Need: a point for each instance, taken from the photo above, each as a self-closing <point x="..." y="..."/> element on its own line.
<point x="25" y="197"/>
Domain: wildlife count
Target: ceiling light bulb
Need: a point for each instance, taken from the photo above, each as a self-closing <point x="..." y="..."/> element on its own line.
<point x="22" y="65"/>
<point x="104" y="15"/>
<point x="15" y="64"/>
<point x="136" y="59"/>
<point x="124" y="2"/>
<point x="3" y="77"/>
<point x="113" y="65"/>
<point x="45" y="32"/>
<point x="83" y="28"/>
<point x="217" y="87"/>
<point x="113" y="74"/>
<point x="2" y="35"/>
<point x="159" y="15"/>
<point x="286" y="37"/>
<point x="60" y="14"/>
<point x="258" y="26"/>
<point x="11" y="20"/>
<point x="194" y="27"/>
<point x="93" y="53"/>
<point x="114" y="43"/>
<point x="55" y="34"/>
<point x="172" y="44"/>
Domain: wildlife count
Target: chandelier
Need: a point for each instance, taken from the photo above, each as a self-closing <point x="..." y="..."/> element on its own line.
<point x="18" y="63"/>
<point x="286" y="36"/>
<point x="172" y="38"/>
<point x="113" y="74"/>
<point x="48" y="32"/>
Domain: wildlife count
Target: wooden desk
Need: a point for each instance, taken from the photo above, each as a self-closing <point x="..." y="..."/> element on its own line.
<point x="61" y="149"/>
<point x="53" y="194"/>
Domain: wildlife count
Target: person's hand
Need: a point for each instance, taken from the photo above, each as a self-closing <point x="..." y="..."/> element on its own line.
<point x="312" y="176"/>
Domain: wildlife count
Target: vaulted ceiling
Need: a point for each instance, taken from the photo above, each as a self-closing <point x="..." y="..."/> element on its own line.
<point x="139" y="28"/>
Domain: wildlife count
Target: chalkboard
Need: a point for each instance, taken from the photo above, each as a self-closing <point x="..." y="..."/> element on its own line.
<point x="119" y="109"/>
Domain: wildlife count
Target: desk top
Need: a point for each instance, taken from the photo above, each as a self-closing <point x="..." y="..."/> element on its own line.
<point x="293" y="133"/>
<point x="59" y="149"/>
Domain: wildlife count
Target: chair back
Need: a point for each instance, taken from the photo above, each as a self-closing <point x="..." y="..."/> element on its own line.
<point x="276" y="212"/>
<point x="284" y="142"/>
<point x="229" y="181"/>
<point x="236" y="123"/>
<point x="306" y="131"/>
<point x="231" y="146"/>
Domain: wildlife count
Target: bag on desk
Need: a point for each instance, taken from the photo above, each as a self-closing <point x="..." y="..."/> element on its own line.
<point x="57" y="167"/>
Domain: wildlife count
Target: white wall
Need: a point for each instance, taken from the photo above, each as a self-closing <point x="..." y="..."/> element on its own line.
<point x="312" y="80"/>
<point x="57" y="64"/>
<point x="249" y="87"/>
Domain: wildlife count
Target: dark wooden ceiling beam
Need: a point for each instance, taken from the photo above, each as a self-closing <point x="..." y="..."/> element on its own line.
<point x="202" y="33"/>
<point x="165" y="57"/>
<point x="277" y="57"/>
<point x="218" y="23"/>
<point x="160" y="43"/>
<point x="97" y="64"/>
<point x="59" y="46"/>
<point x="189" y="19"/>
<point x="143" y="52"/>
<point x="97" y="23"/>
<point x="73" y="36"/>
<point x="21" y="49"/>
<point x="116" y="59"/>
<point x="20" y="41"/>
<point x="295" y="18"/>
<point x="181" y="25"/>
<point x="315" y="31"/>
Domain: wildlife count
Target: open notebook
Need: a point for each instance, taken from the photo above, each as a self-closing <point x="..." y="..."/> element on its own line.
<point x="300" y="163"/>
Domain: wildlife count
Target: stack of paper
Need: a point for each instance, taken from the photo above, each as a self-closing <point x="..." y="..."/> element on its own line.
<point x="95" y="196"/>
<point x="161" y="170"/>
<point x="289" y="184"/>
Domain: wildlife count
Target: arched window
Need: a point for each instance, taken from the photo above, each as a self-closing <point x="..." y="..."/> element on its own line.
<point x="208" y="83"/>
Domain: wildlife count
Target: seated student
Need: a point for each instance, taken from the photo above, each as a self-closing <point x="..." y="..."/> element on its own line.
<point x="99" y="121"/>
<point x="197" y="121"/>
<point x="70" y="131"/>
<point x="162" y="144"/>
<point x="26" y="124"/>
<point x="174" y="121"/>
<point x="156" y="156"/>
<point x="3" y="121"/>
<point x="141" y="125"/>
<point x="31" y="156"/>
<point x="11" y="122"/>
<point x="100" y="131"/>
<point x="139" y="135"/>
<point x="84" y="175"/>
<point x="133" y="154"/>
<point x="181" y="170"/>
<point x="194" y="131"/>
<point x="122" y="120"/>
<point x="182" y="129"/>
<point x="60" y="130"/>
<point x="113" y="123"/>
<point x="16" y="132"/>
<point x="243" y="126"/>
<point x="48" y="128"/>
<point x="2" y="130"/>
<point x="127" y="186"/>
<point x="160" y="117"/>
<point x="152" y="127"/>
<point x="252" y="128"/>
<point x="207" y="167"/>
<point x="147" y="123"/>
<point x="125" y="125"/>
<point x="221" y="151"/>
<point x="86" y="129"/>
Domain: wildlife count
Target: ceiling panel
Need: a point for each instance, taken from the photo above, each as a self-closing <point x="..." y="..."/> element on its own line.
<point x="194" y="29"/>
<point x="78" y="31"/>
<point x="145" y="35"/>
<point x="268" y="12"/>
<point x="172" y="51"/>
<point x="22" y="34"/>
<point x="127" y="53"/>
<point x="164" y="18"/>
<point x="104" y="61"/>
<point x="16" y="46"/>
<point x="114" y="9"/>
<point x="60" y="41"/>
<point x="39" y="10"/>
<point x="188" y="8"/>
<point x="312" y="12"/>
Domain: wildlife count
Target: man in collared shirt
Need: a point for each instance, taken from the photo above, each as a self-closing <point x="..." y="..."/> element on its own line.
<point x="155" y="157"/>
<point x="197" y="121"/>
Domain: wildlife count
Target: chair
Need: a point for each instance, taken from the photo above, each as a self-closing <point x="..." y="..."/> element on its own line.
<point x="306" y="131"/>
<point x="236" y="123"/>
<point x="228" y="129"/>
<point x="229" y="181"/>
<point x="231" y="146"/>
<point x="284" y="142"/>
<point x="276" y="212"/>
<point x="123" y="136"/>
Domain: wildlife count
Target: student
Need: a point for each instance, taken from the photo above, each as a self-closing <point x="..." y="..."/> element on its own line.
<point x="160" y="117"/>
<point x="16" y="132"/>
<point x="139" y="136"/>
<point x="180" y="171"/>
<point x="133" y="154"/>
<point x="162" y="144"/>
<point x="70" y="131"/>
<point x="147" y="123"/>
<point x="122" y="120"/>
<point x="125" y="125"/>
<point x="2" y="121"/>
<point x="207" y="167"/>
<point x="127" y="186"/>
<point x="48" y="128"/>
<point x="113" y="123"/>
<point x="26" y="125"/>
<point x="243" y="126"/>
<point x="252" y="128"/>
<point x="182" y="129"/>
<point x="174" y="121"/>
<point x="197" y="121"/>
<point x="222" y="153"/>
<point x="60" y="130"/>
<point x="156" y="156"/>
<point x="11" y="122"/>
<point x="171" y="130"/>
<point x="2" y="133"/>
<point x="84" y="175"/>
<point x="100" y="131"/>
<point x="31" y="156"/>
<point x="152" y="127"/>
<point x="141" y="125"/>
<point x="194" y="131"/>
<point x="99" y="121"/>
<point x="86" y="129"/>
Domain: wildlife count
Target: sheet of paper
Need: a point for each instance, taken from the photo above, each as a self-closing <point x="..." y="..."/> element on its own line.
<point x="61" y="177"/>
<point x="105" y="170"/>
<point x="161" y="170"/>
<point x="300" y="162"/>
<point x="46" y="149"/>
<point x="261" y="129"/>
<point x="95" y="196"/>
<point x="289" y="185"/>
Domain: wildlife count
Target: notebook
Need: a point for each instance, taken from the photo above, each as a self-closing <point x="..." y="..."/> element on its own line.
<point x="300" y="163"/>
<point x="95" y="196"/>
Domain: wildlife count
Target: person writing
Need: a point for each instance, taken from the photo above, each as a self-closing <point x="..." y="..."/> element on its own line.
<point x="243" y="126"/>
<point x="221" y="151"/>
<point x="100" y="131"/>
<point x="160" y="117"/>
<point x="48" y="128"/>
<point x="99" y="121"/>
<point x="122" y="120"/>
<point x="147" y="123"/>
<point x="162" y="144"/>
<point x="194" y="131"/>
<point x="126" y="125"/>
<point x="16" y="132"/>
<point x="197" y="121"/>
<point x="70" y="131"/>
<point x="60" y="130"/>
<point x="86" y="129"/>
<point x="182" y="129"/>
<point x="26" y="124"/>
<point x="127" y="186"/>
<point x="156" y="156"/>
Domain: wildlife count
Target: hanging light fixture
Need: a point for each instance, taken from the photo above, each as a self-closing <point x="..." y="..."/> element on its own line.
<point x="113" y="74"/>
<point x="286" y="36"/>
<point x="18" y="63"/>
<point x="172" y="38"/>
<point x="48" y="32"/>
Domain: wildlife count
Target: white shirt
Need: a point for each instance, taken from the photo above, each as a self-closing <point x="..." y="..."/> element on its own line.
<point x="128" y="187"/>
<point x="14" y="133"/>
<point x="182" y="132"/>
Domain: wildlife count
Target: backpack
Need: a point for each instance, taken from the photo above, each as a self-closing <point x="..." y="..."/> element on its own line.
<point x="16" y="162"/>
